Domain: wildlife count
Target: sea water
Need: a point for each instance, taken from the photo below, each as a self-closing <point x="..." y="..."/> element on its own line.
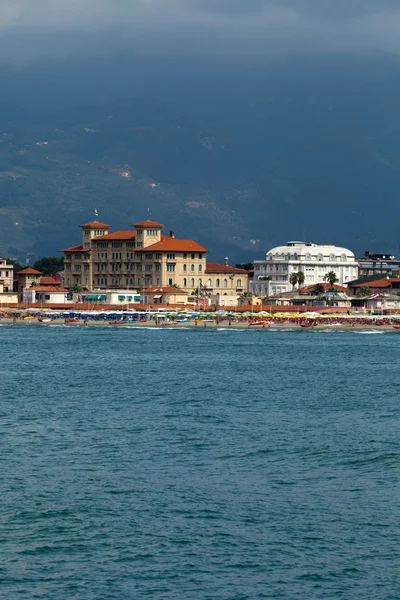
<point x="199" y="465"/>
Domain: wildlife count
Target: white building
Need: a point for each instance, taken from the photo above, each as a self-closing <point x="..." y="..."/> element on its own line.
<point x="271" y="276"/>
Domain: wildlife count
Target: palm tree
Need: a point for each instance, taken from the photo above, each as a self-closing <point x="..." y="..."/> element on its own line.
<point x="300" y="278"/>
<point x="331" y="278"/>
<point x="75" y="288"/>
<point x="294" y="278"/>
<point x="363" y="291"/>
<point x="319" y="289"/>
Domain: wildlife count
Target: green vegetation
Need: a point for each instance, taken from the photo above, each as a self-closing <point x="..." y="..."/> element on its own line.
<point x="249" y="266"/>
<point x="363" y="291"/>
<point x="319" y="289"/>
<point x="49" y="265"/>
<point x="297" y="279"/>
<point x="331" y="278"/>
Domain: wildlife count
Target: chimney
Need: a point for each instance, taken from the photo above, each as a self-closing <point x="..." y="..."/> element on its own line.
<point x="226" y="260"/>
<point x="172" y="234"/>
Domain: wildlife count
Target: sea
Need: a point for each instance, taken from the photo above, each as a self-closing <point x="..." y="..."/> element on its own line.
<point x="193" y="464"/>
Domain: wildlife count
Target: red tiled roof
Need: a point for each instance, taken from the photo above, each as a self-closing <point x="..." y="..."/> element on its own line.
<point x="327" y="286"/>
<point x="95" y="225"/>
<point x="216" y="268"/>
<point x="118" y="235"/>
<point x="163" y="290"/>
<point x="49" y="281"/>
<point x="76" y="249"/>
<point x="29" y="271"/>
<point x="149" y="223"/>
<point x="168" y="244"/>
<point x="378" y="283"/>
<point x="48" y="288"/>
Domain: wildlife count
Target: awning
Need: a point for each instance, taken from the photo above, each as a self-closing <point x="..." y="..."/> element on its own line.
<point x="93" y="297"/>
<point x="157" y="297"/>
<point x="121" y="298"/>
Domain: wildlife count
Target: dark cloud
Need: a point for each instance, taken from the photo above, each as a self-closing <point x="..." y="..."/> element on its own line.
<point x="31" y="28"/>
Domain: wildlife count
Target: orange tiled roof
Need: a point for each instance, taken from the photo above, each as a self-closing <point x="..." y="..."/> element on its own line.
<point x="95" y="225"/>
<point x="76" y="249"/>
<point x="29" y="271"/>
<point x="118" y="235"/>
<point x="149" y="223"/>
<point x="327" y="286"/>
<point x="216" y="268"/>
<point x="48" y="288"/>
<point x="49" y="281"/>
<point x="378" y="283"/>
<point x="168" y="244"/>
<point x="163" y="290"/>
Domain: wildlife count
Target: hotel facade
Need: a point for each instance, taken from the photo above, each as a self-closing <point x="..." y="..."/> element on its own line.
<point x="272" y="275"/>
<point x="143" y="257"/>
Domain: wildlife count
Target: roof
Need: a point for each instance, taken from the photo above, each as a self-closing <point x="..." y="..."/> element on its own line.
<point x="378" y="283"/>
<point x="163" y="290"/>
<point x="216" y="268"/>
<point x="48" y="288"/>
<point x="326" y="285"/>
<point x="149" y="223"/>
<point x="49" y="281"/>
<point x="117" y="235"/>
<point x="95" y="225"/>
<point x="168" y="244"/>
<point x="303" y="248"/>
<point x="29" y="271"/>
<point x="76" y="249"/>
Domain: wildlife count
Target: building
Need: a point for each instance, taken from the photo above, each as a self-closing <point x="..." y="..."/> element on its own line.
<point x="45" y="294"/>
<point x="378" y="264"/>
<point x="376" y="286"/>
<point x="142" y="258"/>
<point x="272" y="275"/>
<point x="26" y="278"/>
<point x="164" y="295"/>
<point x="6" y="276"/>
<point x="120" y="297"/>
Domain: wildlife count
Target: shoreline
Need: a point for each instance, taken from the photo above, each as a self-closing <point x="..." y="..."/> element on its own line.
<point x="204" y="325"/>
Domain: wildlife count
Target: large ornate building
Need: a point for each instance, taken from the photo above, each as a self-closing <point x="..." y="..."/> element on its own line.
<point x="272" y="275"/>
<point x="143" y="257"/>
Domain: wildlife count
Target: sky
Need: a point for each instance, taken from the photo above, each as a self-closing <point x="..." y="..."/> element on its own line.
<point x="31" y="29"/>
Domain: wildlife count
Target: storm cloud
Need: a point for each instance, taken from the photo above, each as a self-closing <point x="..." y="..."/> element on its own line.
<point x="34" y="28"/>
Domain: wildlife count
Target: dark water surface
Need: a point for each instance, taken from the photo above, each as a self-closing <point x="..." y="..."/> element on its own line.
<point x="199" y="465"/>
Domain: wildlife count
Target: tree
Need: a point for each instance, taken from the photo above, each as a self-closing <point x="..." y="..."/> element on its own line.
<point x="300" y="278"/>
<point x="246" y="266"/>
<point x="331" y="278"/>
<point x="319" y="289"/>
<point x="363" y="291"/>
<point x="49" y="265"/>
<point x="75" y="288"/>
<point x="293" y="278"/>
<point x="16" y="265"/>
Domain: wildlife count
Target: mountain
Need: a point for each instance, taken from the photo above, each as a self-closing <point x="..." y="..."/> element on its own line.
<point x="310" y="154"/>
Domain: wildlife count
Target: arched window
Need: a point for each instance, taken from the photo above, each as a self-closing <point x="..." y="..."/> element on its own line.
<point x="344" y="258"/>
<point x="170" y="281"/>
<point x="184" y="282"/>
<point x="239" y="283"/>
<point x="295" y="256"/>
<point x="209" y="284"/>
<point x="217" y="283"/>
<point x="192" y="268"/>
<point x="320" y="257"/>
<point x="192" y="283"/>
<point x="308" y="256"/>
<point x="200" y="268"/>
<point x="200" y="281"/>
<point x="184" y="268"/>
<point x="225" y="283"/>
<point x="332" y="258"/>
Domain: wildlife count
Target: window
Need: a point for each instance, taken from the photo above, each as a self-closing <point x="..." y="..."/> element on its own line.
<point x="225" y="283"/>
<point x="209" y="284"/>
<point x="184" y="282"/>
<point x="158" y="267"/>
<point x="151" y="232"/>
<point x="185" y="255"/>
<point x="138" y="267"/>
<point x="116" y="244"/>
<point x="170" y="268"/>
<point x="148" y="267"/>
<point x="217" y="283"/>
<point x="158" y="256"/>
<point x="200" y="256"/>
<point x="184" y="268"/>
<point x="171" y="256"/>
<point x="192" y="283"/>
<point x="200" y="268"/>
<point x="239" y="283"/>
<point x="192" y="268"/>
<point x="67" y="267"/>
<point x="170" y="281"/>
<point x="192" y="256"/>
<point x="87" y="232"/>
<point x="148" y="256"/>
<point x="78" y="268"/>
